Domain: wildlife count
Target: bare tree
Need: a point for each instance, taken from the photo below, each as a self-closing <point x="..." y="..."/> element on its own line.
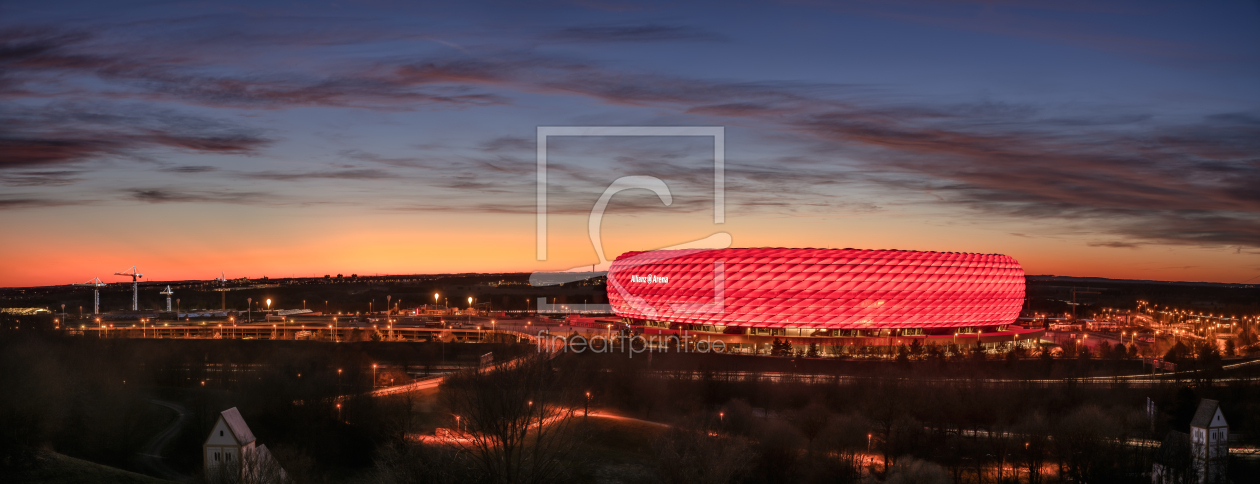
<point x="685" y="455"/>
<point x="1036" y="433"/>
<point x="254" y="466"/>
<point x="412" y="463"/>
<point x="517" y="420"/>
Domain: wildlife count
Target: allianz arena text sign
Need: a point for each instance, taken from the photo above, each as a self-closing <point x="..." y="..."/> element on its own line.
<point x="650" y="279"/>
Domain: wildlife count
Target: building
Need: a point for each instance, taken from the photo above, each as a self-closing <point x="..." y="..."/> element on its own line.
<point x="1202" y="455"/>
<point x="1209" y="437"/>
<point x="823" y="296"/>
<point x="231" y="449"/>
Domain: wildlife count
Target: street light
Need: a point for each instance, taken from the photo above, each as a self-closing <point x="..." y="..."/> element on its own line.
<point x="373" y="375"/>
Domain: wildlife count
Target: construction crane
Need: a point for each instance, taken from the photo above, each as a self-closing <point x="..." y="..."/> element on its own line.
<point x="135" y="286"/>
<point x="168" y="293"/>
<point x="96" y="286"/>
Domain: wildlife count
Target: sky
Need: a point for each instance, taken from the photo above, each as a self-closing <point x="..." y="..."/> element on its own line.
<point x="1107" y="139"/>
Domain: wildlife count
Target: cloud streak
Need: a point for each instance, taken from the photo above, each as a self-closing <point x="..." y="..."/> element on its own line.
<point x="633" y="33"/>
<point x="63" y="133"/>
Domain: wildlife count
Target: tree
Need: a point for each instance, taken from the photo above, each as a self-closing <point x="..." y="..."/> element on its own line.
<point x="937" y="354"/>
<point x="1036" y="432"/>
<point x="1119" y="351"/>
<point x="1177" y="352"/>
<point x="977" y="352"/>
<point x="413" y="463"/>
<point x="255" y="466"/>
<point x="813" y="350"/>
<point x="503" y="411"/>
<point x="810" y="421"/>
<point x="916" y="348"/>
<point x="1230" y="347"/>
<point x="903" y="355"/>
<point x="686" y="455"/>
<point x="780" y="348"/>
<point x="1088" y="440"/>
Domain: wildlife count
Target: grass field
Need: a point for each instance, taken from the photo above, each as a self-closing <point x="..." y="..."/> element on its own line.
<point x="617" y="450"/>
<point x="56" y="468"/>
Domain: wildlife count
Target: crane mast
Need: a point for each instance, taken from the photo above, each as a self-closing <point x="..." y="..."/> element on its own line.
<point x="135" y="286"/>
<point x="96" y="286"/>
<point x="168" y="293"/>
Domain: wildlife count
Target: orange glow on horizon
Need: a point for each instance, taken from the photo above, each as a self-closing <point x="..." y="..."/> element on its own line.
<point x="395" y="244"/>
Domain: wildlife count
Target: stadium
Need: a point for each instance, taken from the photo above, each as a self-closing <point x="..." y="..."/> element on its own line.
<point x="751" y="296"/>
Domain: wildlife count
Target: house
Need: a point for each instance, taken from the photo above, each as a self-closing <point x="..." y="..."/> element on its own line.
<point x="231" y="448"/>
<point x="1198" y="456"/>
<point x="1209" y="435"/>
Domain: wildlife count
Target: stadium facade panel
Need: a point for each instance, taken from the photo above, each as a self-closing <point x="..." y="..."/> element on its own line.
<point x="825" y="289"/>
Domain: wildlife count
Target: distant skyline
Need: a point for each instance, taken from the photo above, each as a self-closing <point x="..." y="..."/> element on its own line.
<point x="1103" y="139"/>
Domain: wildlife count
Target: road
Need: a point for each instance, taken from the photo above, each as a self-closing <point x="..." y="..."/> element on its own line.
<point x="149" y="459"/>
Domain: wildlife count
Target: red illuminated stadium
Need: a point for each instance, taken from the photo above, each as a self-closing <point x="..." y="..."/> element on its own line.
<point x="937" y="297"/>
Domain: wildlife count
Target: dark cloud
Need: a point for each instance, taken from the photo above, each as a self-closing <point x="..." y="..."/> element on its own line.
<point x="16" y="203"/>
<point x="190" y="169"/>
<point x="41" y="178"/>
<point x="353" y="174"/>
<point x="1115" y="245"/>
<point x="163" y="195"/>
<point x="632" y="33"/>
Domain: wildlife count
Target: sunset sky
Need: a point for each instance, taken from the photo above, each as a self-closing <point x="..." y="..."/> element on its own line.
<point x="1110" y="139"/>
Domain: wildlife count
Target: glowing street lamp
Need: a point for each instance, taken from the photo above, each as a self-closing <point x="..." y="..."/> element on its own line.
<point x="373" y="375"/>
